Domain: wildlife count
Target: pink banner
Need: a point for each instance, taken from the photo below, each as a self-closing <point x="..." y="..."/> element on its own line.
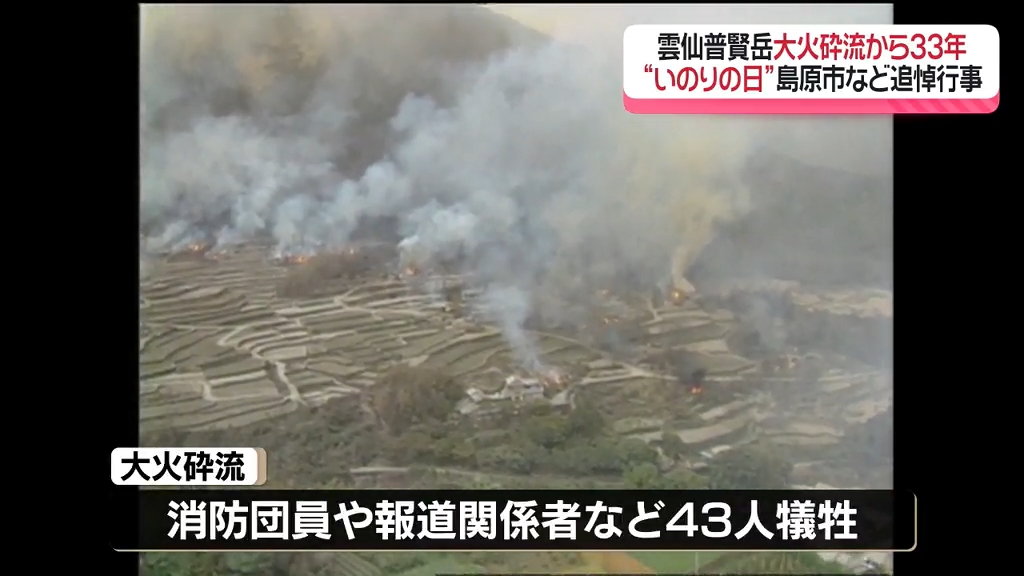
<point x="809" y="106"/>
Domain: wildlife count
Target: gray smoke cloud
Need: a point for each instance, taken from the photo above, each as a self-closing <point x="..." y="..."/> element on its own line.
<point x="479" y="139"/>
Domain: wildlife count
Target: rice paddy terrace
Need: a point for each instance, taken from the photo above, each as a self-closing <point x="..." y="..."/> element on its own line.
<point x="221" y="347"/>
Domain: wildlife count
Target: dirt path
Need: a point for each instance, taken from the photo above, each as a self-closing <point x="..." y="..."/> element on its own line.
<point x="615" y="562"/>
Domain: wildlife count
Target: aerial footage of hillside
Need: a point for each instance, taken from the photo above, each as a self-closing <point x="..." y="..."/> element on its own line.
<point x="424" y="246"/>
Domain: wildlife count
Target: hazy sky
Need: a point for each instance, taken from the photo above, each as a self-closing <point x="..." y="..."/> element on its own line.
<point x="600" y="27"/>
<point x="587" y="22"/>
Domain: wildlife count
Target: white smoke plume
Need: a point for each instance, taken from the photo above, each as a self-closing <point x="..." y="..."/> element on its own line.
<point x="476" y="138"/>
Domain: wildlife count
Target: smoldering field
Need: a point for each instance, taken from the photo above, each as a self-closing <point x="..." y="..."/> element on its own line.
<point x="469" y="138"/>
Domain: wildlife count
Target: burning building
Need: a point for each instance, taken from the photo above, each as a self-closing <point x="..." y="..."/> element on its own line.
<point x="554" y="380"/>
<point x="520" y="389"/>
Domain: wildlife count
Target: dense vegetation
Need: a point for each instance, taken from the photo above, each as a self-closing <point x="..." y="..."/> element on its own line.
<point x="431" y="563"/>
<point x="413" y="426"/>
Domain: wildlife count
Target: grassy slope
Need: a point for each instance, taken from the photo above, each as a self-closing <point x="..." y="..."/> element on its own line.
<point x="615" y="563"/>
<point x="443" y="566"/>
<point x="674" y="562"/>
<point x="725" y="562"/>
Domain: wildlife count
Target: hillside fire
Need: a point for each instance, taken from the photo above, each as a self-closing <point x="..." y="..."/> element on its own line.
<point x="553" y="379"/>
<point x="697" y="379"/>
<point x="192" y="250"/>
<point x="292" y="259"/>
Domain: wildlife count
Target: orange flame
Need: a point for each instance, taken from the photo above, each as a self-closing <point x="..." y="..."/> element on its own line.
<point x="294" y="259"/>
<point x="677" y="296"/>
<point x="696" y="390"/>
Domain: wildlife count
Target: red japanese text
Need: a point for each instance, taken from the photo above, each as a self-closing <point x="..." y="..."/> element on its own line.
<point x="857" y="46"/>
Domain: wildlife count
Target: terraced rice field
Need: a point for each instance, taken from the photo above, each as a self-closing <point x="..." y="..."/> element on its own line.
<point x="220" y="348"/>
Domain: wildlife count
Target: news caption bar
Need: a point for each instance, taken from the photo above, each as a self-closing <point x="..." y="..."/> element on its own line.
<point x="188" y="466"/>
<point x="812" y="69"/>
<point x="246" y="519"/>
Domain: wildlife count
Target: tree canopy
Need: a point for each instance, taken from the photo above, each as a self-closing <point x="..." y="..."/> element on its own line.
<point x="405" y="396"/>
<point x="749" y="468"/>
